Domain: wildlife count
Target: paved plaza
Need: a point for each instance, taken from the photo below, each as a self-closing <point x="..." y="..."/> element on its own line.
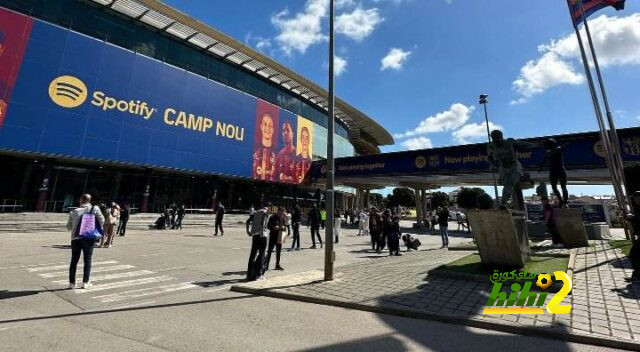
<point x="170" y="291"/>
<point x="605" y="307"/>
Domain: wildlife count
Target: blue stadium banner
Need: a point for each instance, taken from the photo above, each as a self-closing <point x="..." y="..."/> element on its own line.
<point x="70" y="95"/>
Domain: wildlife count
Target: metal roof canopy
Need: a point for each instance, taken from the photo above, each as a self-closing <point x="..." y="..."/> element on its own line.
<point x="182" y="27"/>
<point x="437" y="167"/>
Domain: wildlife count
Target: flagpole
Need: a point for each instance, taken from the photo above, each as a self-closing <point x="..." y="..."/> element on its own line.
<point x="611" y="165"/>
<point x="615" y="141"/>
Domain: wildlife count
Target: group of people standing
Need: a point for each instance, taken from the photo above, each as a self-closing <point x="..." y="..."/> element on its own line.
<point x="115" y="222"/>
<point x="384" y="230"/>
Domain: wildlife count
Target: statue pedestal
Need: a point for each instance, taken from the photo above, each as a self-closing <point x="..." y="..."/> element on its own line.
<point x="501" y="236"/>
<point x="570" y="227"/>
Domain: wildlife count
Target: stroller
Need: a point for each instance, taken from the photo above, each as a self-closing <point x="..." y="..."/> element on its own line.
<point x="410" y="242"/>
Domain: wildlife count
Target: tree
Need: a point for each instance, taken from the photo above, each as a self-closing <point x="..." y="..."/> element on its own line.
<point x="439" y="199"/>
<point x="376" y="199"/>
<point x="401" y="197"/>
<point x="474" y="198"/>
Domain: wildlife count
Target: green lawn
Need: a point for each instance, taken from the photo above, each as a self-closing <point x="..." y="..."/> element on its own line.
<point x="471" y="264"/>
<point x="624" y="245"/>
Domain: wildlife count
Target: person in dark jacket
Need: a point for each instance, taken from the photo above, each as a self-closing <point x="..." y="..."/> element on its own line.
<point x="443" y="224"/>
<point x="295" y="224"/>
<point x="257" y="228"/>
<point x="220" y="211"/>
<point x="386" y="230"/>
<point x="181" y="211"/>
<point x="394" y="236"/>
<point x="315" y="219"/>
<point x="375" y="228"/>
<point x="276" y="226"/>
<point x="124" y="218"/>
<point x="634" y="253"/>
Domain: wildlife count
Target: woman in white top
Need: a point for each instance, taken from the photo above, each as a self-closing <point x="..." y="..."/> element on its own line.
<point x="288" y="222"/>
<point x="337" y="225"/>
<point x="111" y="221"/>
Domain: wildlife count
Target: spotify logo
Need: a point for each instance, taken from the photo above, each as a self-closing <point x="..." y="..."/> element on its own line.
<point x="68" y="91"/>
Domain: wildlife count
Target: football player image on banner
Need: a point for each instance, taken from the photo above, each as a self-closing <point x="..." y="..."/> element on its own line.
<point x="265" y="142"/>
<point x="14" y="35"/>
<point x="304" y="148"/>
<point x="286" y="158"/>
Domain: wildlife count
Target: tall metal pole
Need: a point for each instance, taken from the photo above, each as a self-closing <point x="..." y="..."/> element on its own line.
<point x="598" y="112"/>
<point x="613" y="133"/>
<point x="329" y="255"/>
<point x="484" y="101"/>
<point x="614" y="142"/>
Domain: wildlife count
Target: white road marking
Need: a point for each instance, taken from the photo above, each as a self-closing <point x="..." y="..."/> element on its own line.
<point x="115" y="297"/>
<point x="66" y="266"/>
<point x="133" y="305"/>
<point x="80" y="268"/>
<point x="153" y="255"/>
<point x="112" y="276"/>
<point x="30" y="265"/>
<point x="119" y="284"/>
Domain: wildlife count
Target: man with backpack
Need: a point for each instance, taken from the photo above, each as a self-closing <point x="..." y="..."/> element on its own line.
<point x="85" y="223"/>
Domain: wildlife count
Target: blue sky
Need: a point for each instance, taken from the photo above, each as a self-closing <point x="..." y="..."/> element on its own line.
<point x="412" y="61"/>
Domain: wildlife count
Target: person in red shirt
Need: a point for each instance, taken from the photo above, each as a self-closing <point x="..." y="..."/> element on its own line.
<point x="286" y="158"/>
<point x="264" y="159"/>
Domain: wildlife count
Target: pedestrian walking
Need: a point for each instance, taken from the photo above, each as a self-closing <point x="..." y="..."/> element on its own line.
<point x="337" y="225"/>
<point x="111" y="221"/>
<point x="443" y="224"/>
<point x="124" y="218"/>
<point x="315" y="221"/>
<point x="174" y="215"/>
<point x="394" y="236"/>
<point x="181" y="212"/>
<point x="295" y="224"/>
<point x="287" y="216"/>
<point x="258" y="233"/>
<point x="220" y="211"/>
<point x="84" y="223"/>
<point x="277" y="228"/>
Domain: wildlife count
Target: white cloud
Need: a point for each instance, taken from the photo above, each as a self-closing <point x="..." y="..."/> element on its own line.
<point x="339" y="65"/>
<point x="303" y="29"/>
<point x="546" y="72"/>
<point x="617" y="42"/>
<point x="344" y="3"/>
<point x="417" y="143"/>
<point x="474" y="132"/>
<point x="394" y="59"/>
<point x="358" y="24"/>
<point x="457" y="115"/>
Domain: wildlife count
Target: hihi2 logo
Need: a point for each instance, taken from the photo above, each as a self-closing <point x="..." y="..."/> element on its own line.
<point x="521" y="300"/>
<point x="68" y="91"/>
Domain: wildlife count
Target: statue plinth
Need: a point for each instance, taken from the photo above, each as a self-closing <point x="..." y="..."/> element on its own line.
<point x="501" y="236"/>
<point x="570" y="227"/>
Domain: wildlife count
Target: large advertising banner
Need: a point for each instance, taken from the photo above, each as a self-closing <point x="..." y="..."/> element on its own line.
<point x="70" y="95"/>
<point x="14" y="34"/>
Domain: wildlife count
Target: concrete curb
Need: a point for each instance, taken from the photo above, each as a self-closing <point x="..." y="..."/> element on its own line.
<point x="409" y="313"/>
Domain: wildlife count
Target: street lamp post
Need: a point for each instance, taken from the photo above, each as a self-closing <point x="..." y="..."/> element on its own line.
<point x="484" y="101"/>
<point x="329" y="255"/>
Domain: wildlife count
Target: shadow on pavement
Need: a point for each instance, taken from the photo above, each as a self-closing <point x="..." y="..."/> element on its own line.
<point x="216" y="283"/>
<point x="6" y="294"/>
<point x="378" y="343"/>
<point x="453" y="335"/>
<point x="235" y="273"/>
<point x="59" y="246"/>
<point x="129" y="309"/>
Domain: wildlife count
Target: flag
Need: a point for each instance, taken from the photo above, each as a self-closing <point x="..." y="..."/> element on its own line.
<point x="591" y="6"/>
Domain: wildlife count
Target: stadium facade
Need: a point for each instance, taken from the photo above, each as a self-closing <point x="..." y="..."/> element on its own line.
<point x="137" y="102"/>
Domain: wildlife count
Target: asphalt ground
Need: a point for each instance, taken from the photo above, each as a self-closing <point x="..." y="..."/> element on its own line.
<point x="169" y="291"/>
